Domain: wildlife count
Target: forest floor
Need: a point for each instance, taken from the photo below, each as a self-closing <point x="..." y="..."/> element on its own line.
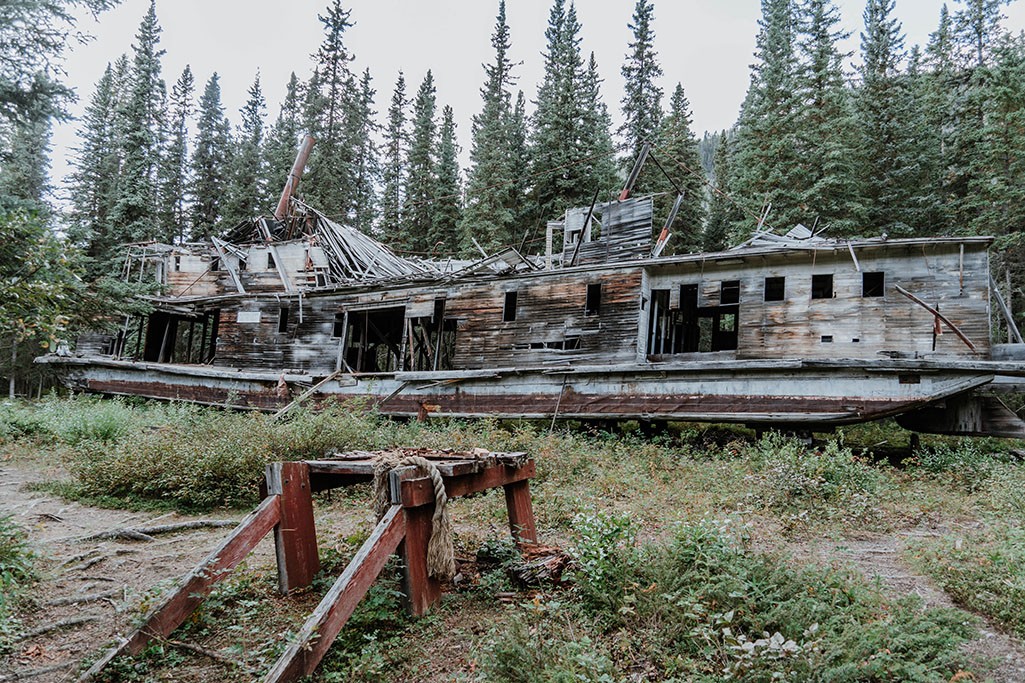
<point x="90" y="590"/>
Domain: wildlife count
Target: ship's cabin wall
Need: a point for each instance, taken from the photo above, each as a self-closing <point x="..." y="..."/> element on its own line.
<point x="533" y="320"/>
<point x="820" y="304"/>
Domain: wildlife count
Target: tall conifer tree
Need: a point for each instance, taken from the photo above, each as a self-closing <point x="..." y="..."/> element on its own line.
<point x="678" y="147"/>
<point x="173" y="173"/>
<point x="134" y="213"/>
<point x="768" y="168"/>
<point x="418" y="212"/>
<point x="642" y="100"/>
<point x="447" y="205"/>
<point x="246" y="193"/>
<point x="284" y="137"/>
<point x="393" y="172"/>
<point x="492" y="201"/>
<point x="210" y="162"/>
<point x="361" y="134"/>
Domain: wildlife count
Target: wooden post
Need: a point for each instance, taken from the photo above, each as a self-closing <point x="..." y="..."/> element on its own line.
<point x="295" y="537"/>
<point x="521" y="513"/>
<point x="422" y="590"/>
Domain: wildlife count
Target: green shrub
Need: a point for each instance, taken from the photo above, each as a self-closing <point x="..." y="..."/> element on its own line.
<point x="966" y="463"/>
<point x="542" y="648"/>
<point x="604" y="554"/>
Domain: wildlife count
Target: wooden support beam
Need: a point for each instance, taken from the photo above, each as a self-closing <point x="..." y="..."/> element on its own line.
<point x="320" y="630"/>
<point x="521" y="513"/>
<point x="180" y="602"/>
<point x="420" y="491"/>
<point x="422" y="590"/>
<point x="295" y="536"/>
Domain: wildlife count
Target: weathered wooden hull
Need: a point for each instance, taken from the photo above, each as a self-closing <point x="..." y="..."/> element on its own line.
<point x="808" y="393"/>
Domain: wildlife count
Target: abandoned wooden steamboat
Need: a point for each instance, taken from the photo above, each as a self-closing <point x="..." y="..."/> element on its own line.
<point x="793" y="331"/>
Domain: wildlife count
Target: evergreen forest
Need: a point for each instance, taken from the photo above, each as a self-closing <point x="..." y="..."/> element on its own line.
<point x="913" y="141"/>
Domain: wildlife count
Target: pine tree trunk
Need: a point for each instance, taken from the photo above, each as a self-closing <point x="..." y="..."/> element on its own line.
<point x="14" y="362"/>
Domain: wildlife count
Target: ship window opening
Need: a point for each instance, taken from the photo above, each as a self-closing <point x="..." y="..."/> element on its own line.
<point x="775" y="288"/>
<point x="509" y="310"/>
<point x="270" y="261"/>
<point x="338" y="328"/>
<point x="376" y="340"/>
<point x="592" y="305"/>
<point x="177" y="264"/>
<point x="282" y="320"/>
<point x="690" y="328"/>
<point x="241" y="264"/>
<point x="215" y="264"/>
<point x="827" y="339"/>
<point x="855" y="340"/>
<point x="822" y="286"/>
<point x="729" y="292"/>
<point x="872" y="284"/>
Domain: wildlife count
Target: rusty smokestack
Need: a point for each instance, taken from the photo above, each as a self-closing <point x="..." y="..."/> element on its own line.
<point x="292" y="183"/>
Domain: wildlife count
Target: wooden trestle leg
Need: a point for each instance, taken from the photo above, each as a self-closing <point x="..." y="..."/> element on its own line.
<point x="422" y="590"/>
<point x="521" y="513"/>
<point x="295" y="537"/>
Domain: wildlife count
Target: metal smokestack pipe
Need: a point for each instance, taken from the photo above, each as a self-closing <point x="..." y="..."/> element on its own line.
<point x="292" y="184"/>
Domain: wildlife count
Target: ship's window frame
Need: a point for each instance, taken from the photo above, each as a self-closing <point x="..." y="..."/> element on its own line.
<point x="215" y="264"/>
<point x="509" y="308"/>
<point x="822" y="286"/>
<point x="775" y="288"/>
<point x="338" y="327"/>
<point x="177" y="263"/>
<point x="283" y="319"/>
<point x="729" y="292"/>
<point x="873" y="284"/>
<point x="592" y="300"/>
<point x="270" y="261"/>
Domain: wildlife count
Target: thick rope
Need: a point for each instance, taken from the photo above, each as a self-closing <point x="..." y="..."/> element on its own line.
<point x="441" y="562"/>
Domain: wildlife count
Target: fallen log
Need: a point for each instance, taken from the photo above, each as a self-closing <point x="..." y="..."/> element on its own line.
<point x="146" y="533"/>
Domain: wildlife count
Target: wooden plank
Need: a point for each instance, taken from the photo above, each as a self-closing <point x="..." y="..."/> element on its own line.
<point x="316" y="635"/>
<point x="295" y="536"/>
<point x="420" y="491"/>
<point x="521" y="513"/>
<point x="179" y="603"/>
<point x="422" y="590"/>
<point x="954" y="328"/>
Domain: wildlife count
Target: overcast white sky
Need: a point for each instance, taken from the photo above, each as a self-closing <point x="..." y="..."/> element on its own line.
<point x="705" y="44"/>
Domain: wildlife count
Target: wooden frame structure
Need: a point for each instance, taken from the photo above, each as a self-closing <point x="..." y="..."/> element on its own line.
<point x="287" y="510"/>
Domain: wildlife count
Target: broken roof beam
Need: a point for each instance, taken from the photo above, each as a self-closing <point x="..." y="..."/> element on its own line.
<point x="292" y="183"/>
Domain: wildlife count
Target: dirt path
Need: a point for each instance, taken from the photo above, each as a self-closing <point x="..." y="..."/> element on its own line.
<point x="110" y="575"/>
<point x="880" y="557"/>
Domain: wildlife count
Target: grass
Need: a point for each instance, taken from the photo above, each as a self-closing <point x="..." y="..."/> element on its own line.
<point x="658" y="591"/>
<point x="17" y="572"/>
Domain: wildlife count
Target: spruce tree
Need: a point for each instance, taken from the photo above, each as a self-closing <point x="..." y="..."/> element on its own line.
<point x="173" y="171"/>
<point x="393" y="171"/>
<point x="596" y="133"/>
<point x="828" y="196"/>
<point x="678" y="149"/>
<point x="768" y="167"/>
<point x="210" y="162"/>
<point x="96" y="162"/>
<point x="447" y="205"/>
<point x="361" y="134"/>
<point x="134" y="213"/>
<point x="942" y="100"/>
<point x="642" y="101"/>
<point x="421" y="181"/>
<point x="723" y="212"/>
<point x="492" y="200"/>
<point x="284" y="138"/>
<point x="24" y="175"/>
<point x="888" y="166"/>
<point x="560" y="178"/>
<point x="245" y="194"/>
<point x="330" y="95"/>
